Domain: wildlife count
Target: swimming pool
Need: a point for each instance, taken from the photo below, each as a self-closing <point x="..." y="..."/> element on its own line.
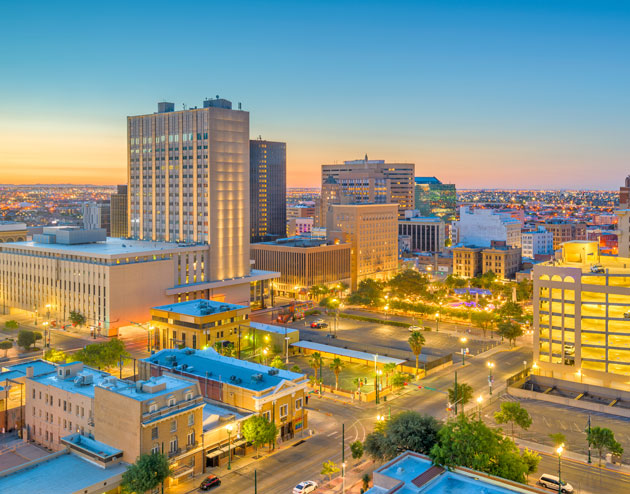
<point x="451" y="483"/>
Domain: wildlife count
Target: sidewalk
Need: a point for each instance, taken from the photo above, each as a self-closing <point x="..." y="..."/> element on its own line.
<point x="354" y="481"/>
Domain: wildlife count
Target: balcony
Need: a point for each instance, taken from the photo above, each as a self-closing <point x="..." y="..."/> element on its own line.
<point x="175" y="452"/>
<point x="191" y="445"/>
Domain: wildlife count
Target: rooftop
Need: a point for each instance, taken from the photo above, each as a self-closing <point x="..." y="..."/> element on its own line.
<point x="270" y="328"/>
<point x="202" y="363"/>
<point x="371" y="357"/>
<point x="64" y="474"/>
<point x="199" y="308"/>
<point x="427" y="180"/>
<point x="216" y="414"/>
<point x="303" y="242"/>
<point x="39" y="366"/>
<point x="69" y="385"/>
<point x="91" y="446"/>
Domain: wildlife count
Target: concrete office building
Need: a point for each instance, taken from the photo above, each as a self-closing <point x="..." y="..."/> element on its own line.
<point x="267" y="189"/>
<point x="537" y="242"/>
<point x="433" y="198"/>
<point x="502" y="260"/>
<point x="299" y="226"/>
<point x="372" y="232"/>
<point x="467" y="261"/>
<point x="12" y="231"/>
<point x="96" y="215"/>
<point x="112" y="282"/>
<point x="427" y="234"/>
<point x="623" y="232"/>
<point x="276" y="394"/>
<point x="369" y="181"/>
<point x="301" y="211"/>
<point x="564" y="231"/>
<point x="189" y="181"/>
<point x="119" y="217"/>
<point x="580" y="323"/>
<point x="303" y="263"/>
<point x="479" y="227"/>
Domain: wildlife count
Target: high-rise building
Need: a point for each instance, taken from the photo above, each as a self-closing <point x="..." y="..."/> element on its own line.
<point x="118" y="212"/>
<point x="267" y="189"/>
<point x="581" y="323"/>
<point x="189" y="181"/>
<point x="433" y="198"/>
<point x="96" y="215"/>
<point x="480" y="227"/>
<point x="372" y="232"/>
<point x="370" y="181"/>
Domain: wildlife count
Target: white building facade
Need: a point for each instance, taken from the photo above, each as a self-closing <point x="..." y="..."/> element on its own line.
<point x="535" y="242"/>
<point x="479" y="227"/>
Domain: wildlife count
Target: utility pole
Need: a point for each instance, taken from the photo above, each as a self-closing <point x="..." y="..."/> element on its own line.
<point x="589" y="438"/>
<point x="455" y="389"/>
<point x="343" y="443"/>
<point x="255" y="482"/>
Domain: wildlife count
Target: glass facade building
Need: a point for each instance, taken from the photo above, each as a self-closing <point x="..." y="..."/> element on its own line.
<point x="433" y="198"/>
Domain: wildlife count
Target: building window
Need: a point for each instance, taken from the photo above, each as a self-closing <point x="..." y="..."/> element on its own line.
<point x="155" y="449"/>
<point x="284" y="411"/>
<point x="298" y="404"/>
<point x="173" y="425"/>
<point x="154" y="433"/>
<point x="152" y="407"/>
<point x="171" y="401"/>
<point x="191" y="419"/>
<point x="189" y="396"/>
<point x="173" y="444"/>
<point x="191" y="438"/>
<point x="267" y="415"/>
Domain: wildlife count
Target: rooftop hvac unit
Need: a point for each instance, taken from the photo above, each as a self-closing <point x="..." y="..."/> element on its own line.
<point x="272" y="372"/>
<point x="257" y="377"/>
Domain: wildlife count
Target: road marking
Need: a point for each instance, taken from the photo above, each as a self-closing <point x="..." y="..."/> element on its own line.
<point x="333" y="433"/>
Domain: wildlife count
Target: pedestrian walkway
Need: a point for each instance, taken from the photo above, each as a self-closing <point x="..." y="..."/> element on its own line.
<point x="353" y="480"/>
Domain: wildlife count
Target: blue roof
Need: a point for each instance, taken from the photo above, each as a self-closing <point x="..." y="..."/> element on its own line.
<point x="222" y="369"/>
<point x="68" y="383"/>
<point x="39" y="367"/>
<point x="65" y="474"/>
<point x="427" y="180"/>
<point x="199" y="308"/>
<point x="92" y="445"/>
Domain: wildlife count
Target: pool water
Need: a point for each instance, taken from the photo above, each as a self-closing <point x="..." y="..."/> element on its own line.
<point x="456" y="484"/>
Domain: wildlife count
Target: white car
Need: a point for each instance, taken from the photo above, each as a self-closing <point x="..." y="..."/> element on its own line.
<point x="552" y="482"/>
<point x="414" y="328"/>
<point x="305" y="487"/>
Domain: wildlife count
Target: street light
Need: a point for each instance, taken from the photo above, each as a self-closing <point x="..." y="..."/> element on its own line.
<point x="377" y="375"/>
<point x="45" y="324"/>
<point x="265" y="354"/>
<point x="490" y="380"/>
<point x="463" y="340"/>
<point x="343" y="477"/>
<point x="479" y="400"/>
<point x="437" y="322"/>
<point x="229" y="431"/>
<point x="559" y="451"/>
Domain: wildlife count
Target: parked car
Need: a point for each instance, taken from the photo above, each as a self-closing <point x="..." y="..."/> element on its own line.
<point x="414" y="328"/>
<point x="552" y="482"/>
<point x="305" y="487"/>
<point x="626" y="315"/>
<point x="209" y="482"/>
<point x="569" y="349"/>
<point x="319" y="325"/>
<point x="597" y="268"/>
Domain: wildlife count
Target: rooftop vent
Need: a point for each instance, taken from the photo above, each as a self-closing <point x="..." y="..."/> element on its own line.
<point x="273" y="372"/>
<point x="257" y="378"/>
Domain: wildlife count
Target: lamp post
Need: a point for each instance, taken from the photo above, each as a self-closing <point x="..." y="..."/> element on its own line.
<point x="479" y="400"/>
<point x="265" y="355"/>
<point x="45" y="324"/>
<point x="588" y="437"/>
<point x="343" y="477"/>
<point x="229" y="431"/>
<point x="490" y="380"/>
<point x="377" y="383"/>
<point x="463" y="341"/>
<point x="437" y="322"/>
<point x="559" y="451"/>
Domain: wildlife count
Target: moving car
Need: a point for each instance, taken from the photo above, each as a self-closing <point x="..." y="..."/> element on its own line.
<point x="319" y="325"/>
<point x="209" y="482"/>
<point x="552" y="482"/>
<point x="414" y="328"/>
<point x="305" y="487"/>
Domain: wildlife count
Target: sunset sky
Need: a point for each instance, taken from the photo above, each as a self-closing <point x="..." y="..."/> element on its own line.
<point x="481" y="93"/>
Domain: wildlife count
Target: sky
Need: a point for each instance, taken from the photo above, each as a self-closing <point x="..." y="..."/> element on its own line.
<point x="514" y="94"/>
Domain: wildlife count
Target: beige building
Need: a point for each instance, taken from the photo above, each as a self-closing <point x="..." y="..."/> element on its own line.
<point x="372" y="232"/>
<point x="303" y="263"/>
<point x="502" y="260"/>
<point x="188" y="181"/>
<point x="467" y="261"/>
<point x="564" y="231"/>
<point x="581" y="316"/>
<point x="12" y="231"/>
<point x="623" y="232"/>
<point x="276" y="394"/>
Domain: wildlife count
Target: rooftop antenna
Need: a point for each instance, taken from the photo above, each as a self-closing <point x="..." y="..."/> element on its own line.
<point x="184" y="105"/>
<point x="217" y="96"/>
<point x="239" y="105"/>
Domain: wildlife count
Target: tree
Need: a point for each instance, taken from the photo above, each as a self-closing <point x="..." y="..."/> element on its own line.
<point x="366" y="481"/>
<point x="356" y="448"/>
<point x="399" y="379"/>
<point x="6" y="345"/>
<point x="464" y="394"/>
<point x="471" y="443"/>
<point x="337" y="366"/>
<point x="76" y="318"/>
<point x="558" y="438"/>
<point x="531" y="460"/>
<point x="315" y="362"/>
<point x="296" y="368"/>
<point x="453" y="281"/>
<point x="510" y="310"/>
<point x="513" y="413"/>
<point x="278" y="363"/>
<point x="416" y="342"/>
<point x="11" y="324"/>
<point x="483" y="320"/>
<point x="55" y="356"/>
<point x="602" y="438"/>
<point x="329" y="469"/>
<point x="408" y="283"/>
<point x="388" y="369"/>
<point x="510" y="330"/>
<point x="524" y="290"/>
<point x="258" y="430"/>
<point x="103" y="355"/>
<point x="147" y="473"/>
<point x="369" y="292"/>
<point x="26" y="339"/>
<point x="378" y="447"/>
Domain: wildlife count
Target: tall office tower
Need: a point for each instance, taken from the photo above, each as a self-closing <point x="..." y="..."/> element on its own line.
<point x="433" y="198"/>
<point x="96" y="215"/>
<point x="267" y="189"/>
<point x="189" y="181"/>
<point x="373" y="181"/>
<point x="118" y="212"/>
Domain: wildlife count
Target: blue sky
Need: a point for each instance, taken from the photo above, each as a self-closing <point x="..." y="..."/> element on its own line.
<point x="482" y="93"/>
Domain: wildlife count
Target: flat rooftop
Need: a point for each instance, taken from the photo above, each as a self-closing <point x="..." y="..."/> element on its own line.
<point x="112" y="247"/>
<point x="344" y="352"/>
<point x="270" y="328"/>
<point x="40" y="367"/>
<point x="249" y="375"/>
<point x="199" y="308"/>
<point x="65" y="474"/>
<point x="303" y="242"/>
<point x="216" y="414"/>
<point x="69" y="385"/>
<point x="90" y="445"/>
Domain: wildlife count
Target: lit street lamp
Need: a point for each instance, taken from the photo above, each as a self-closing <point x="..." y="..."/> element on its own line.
<point x="437" y="322"/>
<point x="463" y="340"/>
<point x="490" y="379"/>
<point x="559" y="451"/>
<point x="343" y="477"/>
<point x="377" y="375"/>
<point x="265" y="355"/>
<point x="479" y="400"/>
<point x="229" y="431"/>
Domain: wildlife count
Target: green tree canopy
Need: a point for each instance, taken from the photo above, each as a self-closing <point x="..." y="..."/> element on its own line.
<point x="258" y="430"/>
<point x="77" y="318"/>
<point x="369" y="292"/>
<point x="329" y="469"/>
<point x="558" y="438"/>
<point x="464" y="394"/>
<point x="483" y="320"/>
<point x="453" y="281"/>
<point x="510" y="330"/>
<point x="278" y="363"/>
<point x="103" y="355"/>
<point x="513" y="413"/>
<point x="471" y="443"/>
<point x="408" y="283"/>
<point x="26" y="339"/>
<point x="510" y="310"/>
<point x="399" y="379"/>
<point x="55" y="356"/>
<point x="11" y="324"/>
<point x="336" y="366"/>
<point x="356" y="448"/>
<point x="147" y="473"/>
<point x="602" y="438"/>
<point x="531" y="459"/>
<point x="6" y="345"/>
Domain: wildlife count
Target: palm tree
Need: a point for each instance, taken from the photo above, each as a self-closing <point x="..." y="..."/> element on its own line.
<point x="388" y="369"/>
<point x="337" y="366"/>
<point x="315" y="362"/>
<point x="416" y="341"/>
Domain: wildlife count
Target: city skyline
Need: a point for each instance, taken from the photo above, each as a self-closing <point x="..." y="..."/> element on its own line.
<point x="484" y="95"/>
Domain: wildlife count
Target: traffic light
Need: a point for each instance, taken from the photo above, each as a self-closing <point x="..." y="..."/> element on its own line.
<point x="420" y="386"/>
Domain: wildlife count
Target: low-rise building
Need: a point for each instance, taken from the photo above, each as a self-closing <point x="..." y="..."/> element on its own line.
<point x="12" y="231"/>
<point x="303" y="263"/>
<point x="564" y="231"/>
<point x="467" y="261"/>
<point x="299" y="226"/>
<point x="274" y="393"/>
<point x="502" y="260"/>
<point x="428" y="234"/>
<point x="537" y="242"/>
